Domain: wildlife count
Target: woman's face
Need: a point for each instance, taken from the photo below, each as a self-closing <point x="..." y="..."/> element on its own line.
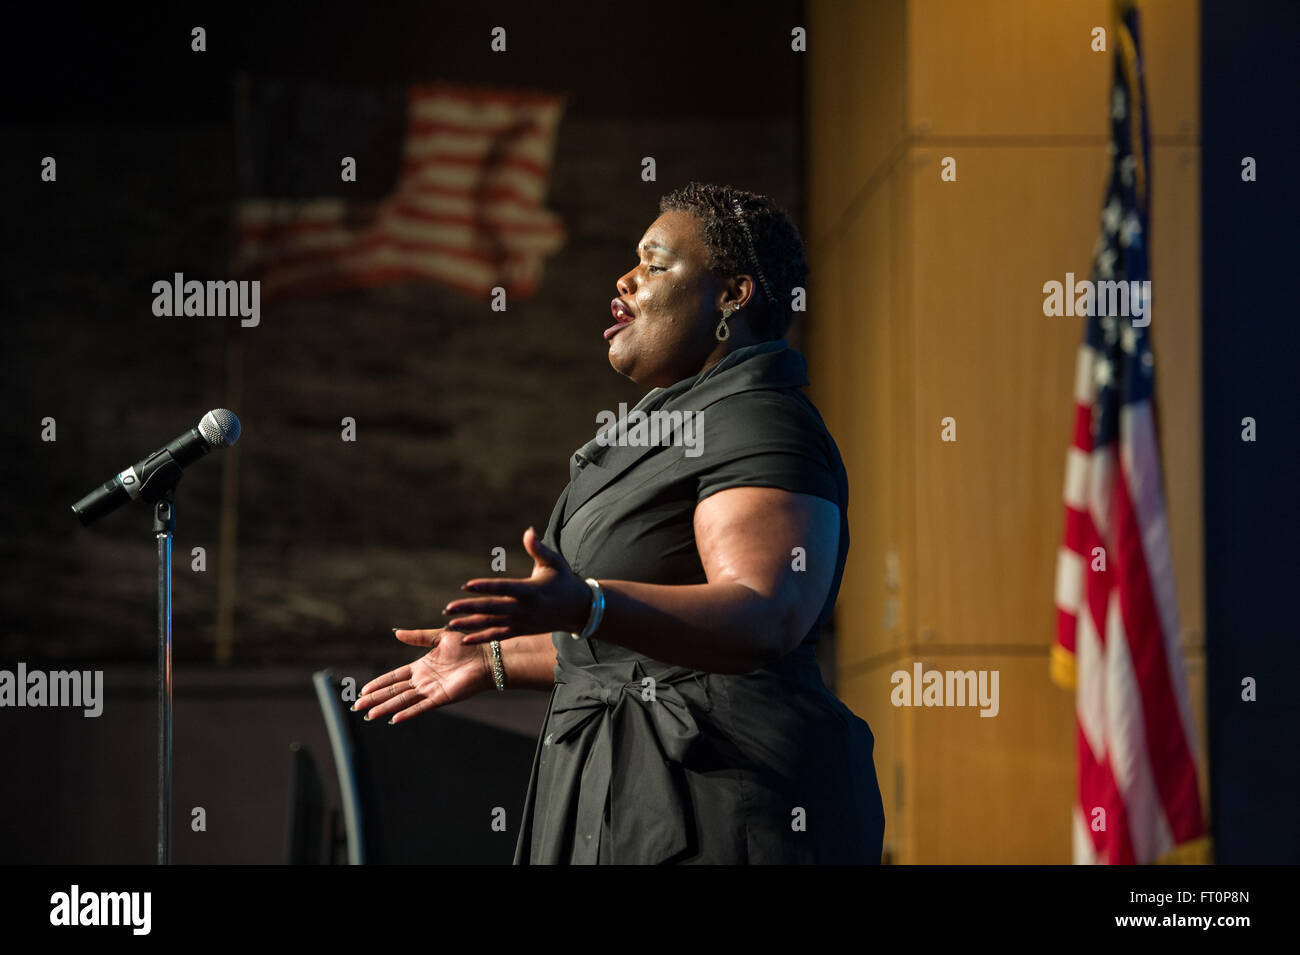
<point x="674" y="301"/>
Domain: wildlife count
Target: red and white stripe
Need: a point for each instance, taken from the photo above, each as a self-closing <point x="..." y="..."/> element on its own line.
<point x="1135" y="736"/>
<point x="468" y="210"/>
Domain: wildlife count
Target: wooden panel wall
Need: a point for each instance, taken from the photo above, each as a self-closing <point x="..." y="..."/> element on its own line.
<point x="926" y="302"/>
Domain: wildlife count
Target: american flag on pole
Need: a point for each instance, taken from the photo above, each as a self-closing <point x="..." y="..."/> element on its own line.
<point x="1117" y="641"/>
<point x="463" y="174"/>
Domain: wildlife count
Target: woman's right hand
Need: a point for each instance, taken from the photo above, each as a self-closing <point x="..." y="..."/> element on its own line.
<point x="448" y="673"/>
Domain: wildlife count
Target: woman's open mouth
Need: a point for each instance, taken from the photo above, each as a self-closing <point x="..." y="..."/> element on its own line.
<point x="622" y="318"/>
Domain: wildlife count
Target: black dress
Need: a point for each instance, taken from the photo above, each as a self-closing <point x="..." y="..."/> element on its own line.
<point x="642" y="762"/>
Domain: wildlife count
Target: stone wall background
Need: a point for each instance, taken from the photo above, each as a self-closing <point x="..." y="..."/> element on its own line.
<point x="465" y="417"/>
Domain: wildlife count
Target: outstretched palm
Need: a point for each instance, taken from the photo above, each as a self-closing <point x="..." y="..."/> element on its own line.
<point x="553" y="597"/>
<point x="449" y="672"/>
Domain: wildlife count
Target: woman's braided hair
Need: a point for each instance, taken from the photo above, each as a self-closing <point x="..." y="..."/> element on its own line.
<point x="748" y="234"/>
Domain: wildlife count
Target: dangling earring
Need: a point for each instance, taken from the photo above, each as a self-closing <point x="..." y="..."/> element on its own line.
<point x="723" y="332"/>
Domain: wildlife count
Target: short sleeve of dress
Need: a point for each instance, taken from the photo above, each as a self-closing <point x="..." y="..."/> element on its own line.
<point x="765" y="439"/>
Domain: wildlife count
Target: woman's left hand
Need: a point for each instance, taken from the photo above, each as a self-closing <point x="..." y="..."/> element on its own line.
<point x="552" y="598"/>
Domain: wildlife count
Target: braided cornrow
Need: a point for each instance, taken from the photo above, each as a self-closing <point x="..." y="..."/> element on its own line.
<point x="753" y="255"/>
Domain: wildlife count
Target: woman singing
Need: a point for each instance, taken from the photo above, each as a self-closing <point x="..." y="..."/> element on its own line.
<point x="681" y="584"/>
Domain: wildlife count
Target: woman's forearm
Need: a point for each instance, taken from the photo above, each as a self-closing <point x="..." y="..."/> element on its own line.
<point x="529" y="662"/>
<point x="720" y="628"/>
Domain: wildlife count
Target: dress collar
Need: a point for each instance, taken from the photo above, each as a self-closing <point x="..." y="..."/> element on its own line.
<point x="766" y="365"/>
<point x="771" y="364"/>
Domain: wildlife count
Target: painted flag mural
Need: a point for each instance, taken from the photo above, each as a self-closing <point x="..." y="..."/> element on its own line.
<point x="448" y="185"/>
<point x="1117" y="641"/>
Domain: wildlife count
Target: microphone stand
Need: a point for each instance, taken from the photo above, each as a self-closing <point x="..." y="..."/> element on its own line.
<point x="164" y="526"/>
<point x="157" y="477"/>
<point x="159" y="489"/>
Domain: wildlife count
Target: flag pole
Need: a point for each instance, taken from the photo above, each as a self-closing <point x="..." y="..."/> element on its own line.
<point x="228" y="531"/>
<point x="228" y="528"/>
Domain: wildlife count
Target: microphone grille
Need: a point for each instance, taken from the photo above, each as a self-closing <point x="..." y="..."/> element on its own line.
<point x="219" y="427"/>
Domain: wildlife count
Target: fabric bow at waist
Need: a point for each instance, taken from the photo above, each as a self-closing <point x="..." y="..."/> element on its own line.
<point x="639" y="729"/>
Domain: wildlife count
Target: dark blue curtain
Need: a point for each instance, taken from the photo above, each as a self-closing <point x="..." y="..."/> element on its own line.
<point x="1251" y="358"/>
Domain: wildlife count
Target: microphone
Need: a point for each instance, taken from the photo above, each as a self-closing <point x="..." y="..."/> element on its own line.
<point x="152" y="477"/>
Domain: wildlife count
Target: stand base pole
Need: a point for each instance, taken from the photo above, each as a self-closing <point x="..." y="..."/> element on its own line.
<point x="164" y="526"/>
